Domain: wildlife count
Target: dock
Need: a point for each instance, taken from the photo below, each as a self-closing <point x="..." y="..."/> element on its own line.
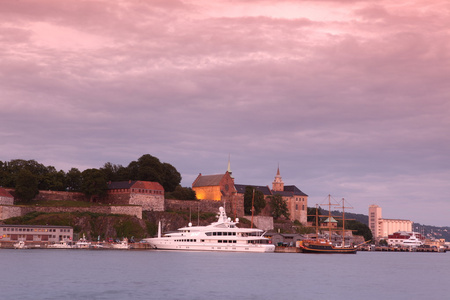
<point x="404" y="249"/>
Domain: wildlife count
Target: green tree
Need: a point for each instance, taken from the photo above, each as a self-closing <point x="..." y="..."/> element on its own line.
<point x="73" y="180"/>
<point x="150" y="168"/>
<point x="258" y="201"/>
<point x="53" y="180"/>
<point x="26" y="185"/>
<point x="114" y="172"/>
<point x="358" y="229"/>
<point x="278" y="207"/>
<point x="171" y="177"/>
<point x="181" y="193"/>
<point x="93" y="183"/>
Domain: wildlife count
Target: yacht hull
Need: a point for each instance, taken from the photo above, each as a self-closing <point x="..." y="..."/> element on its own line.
<point x="167" y="245"/>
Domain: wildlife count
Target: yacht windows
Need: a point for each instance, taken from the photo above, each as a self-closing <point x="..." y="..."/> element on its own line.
<point x="221" y="234"/>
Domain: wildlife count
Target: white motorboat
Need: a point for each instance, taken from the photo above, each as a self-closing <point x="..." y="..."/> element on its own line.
<point x="82" y="243"/>
<point x="20" y="245"/>
<point x="412" y="242"/>
<point x="122" y="245"/>
<point x="60" y="245"/>
<point x="222" y="235"/>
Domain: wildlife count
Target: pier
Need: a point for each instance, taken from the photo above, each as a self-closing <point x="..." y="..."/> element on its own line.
<point x="403" y="249"/>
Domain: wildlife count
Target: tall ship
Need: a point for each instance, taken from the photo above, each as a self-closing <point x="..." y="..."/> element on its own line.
<point x="319" y="245"/>
<point x="222" y="235"/>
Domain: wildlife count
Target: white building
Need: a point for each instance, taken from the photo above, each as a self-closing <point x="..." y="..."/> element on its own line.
<point x="382" y="228"/>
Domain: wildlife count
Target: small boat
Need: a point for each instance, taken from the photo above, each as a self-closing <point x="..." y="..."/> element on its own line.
<point x="60" y="245"/>
<point x="325" y="245"/>
<point x="20" y="245"/>
<point x="82" y="243"/>
<point x="122" y="245"/>
<point x="219" y="236"/>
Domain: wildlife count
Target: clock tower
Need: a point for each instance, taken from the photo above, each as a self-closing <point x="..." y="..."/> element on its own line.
<point x="278" y="184"/>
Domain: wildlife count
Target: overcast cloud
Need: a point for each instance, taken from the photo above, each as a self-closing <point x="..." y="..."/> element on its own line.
<point x="349" y="98"/>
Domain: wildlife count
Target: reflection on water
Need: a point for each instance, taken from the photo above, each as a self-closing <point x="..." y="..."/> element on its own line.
<point x="85" y="274"/>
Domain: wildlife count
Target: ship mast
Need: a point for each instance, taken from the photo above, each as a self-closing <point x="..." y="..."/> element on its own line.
<point x="343" y="222"/>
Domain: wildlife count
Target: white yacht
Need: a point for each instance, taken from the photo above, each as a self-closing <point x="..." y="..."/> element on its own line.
<point x="20" y="245"/>
<point x="412" y="242"/>
<point x="82" y="243"/>
<point x="222" y="235"/>
<point x="60" y="245"/>
<point x="122" y="245"/>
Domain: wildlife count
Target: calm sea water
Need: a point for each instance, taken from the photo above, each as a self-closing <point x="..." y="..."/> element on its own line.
<point x="87" y="274"/>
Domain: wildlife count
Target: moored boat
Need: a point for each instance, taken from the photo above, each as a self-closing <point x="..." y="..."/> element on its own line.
<point x="20" y="245"/>
<point x="412" y="241"/>
<point x="121" y="245"/>
<point x="222" y="235"/>
<point x="325" y="245"/>
<point x="60" y="245"/>
<point x="82" y="243"/>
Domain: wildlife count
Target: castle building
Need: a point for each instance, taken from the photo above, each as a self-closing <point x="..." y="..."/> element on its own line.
<point x="382" y="228"/>
<point x="219" y="187"/>
<point x="222" y="187"/>
<point x="148" y="194"/>
<point x="296" y="200"/>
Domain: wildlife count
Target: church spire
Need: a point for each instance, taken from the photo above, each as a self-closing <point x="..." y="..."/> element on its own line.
<point x="229" y="167"/>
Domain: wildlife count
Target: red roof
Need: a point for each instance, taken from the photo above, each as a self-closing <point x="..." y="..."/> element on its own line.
<point x="148" y="185"/>
<point x="4" y="193"/>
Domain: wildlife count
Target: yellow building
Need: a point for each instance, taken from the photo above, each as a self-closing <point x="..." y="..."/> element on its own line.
<point x="214" y="187"/>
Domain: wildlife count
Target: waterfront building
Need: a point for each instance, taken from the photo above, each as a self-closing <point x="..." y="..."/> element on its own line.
<point x="382" y="228"/>
<point x="35" y="233"/>
<point x="148" y="194"/>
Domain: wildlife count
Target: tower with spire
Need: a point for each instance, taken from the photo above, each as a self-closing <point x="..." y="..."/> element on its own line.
<point x="229" y="168"/>
<point x="278" y="184"/>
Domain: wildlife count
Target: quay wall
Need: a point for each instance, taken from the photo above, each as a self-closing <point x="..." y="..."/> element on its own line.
<point x="55" y="196"/>
<point x="9" y="211"/>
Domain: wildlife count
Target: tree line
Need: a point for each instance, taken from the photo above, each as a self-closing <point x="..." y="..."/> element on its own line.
<point x="27" y="177"/>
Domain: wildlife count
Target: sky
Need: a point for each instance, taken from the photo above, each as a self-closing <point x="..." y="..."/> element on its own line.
<point x="347" y="97"/>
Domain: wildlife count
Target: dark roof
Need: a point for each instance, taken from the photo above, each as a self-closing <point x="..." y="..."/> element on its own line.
<point x="295" y="190"/>
<point x="208" y="180"/>
<point x="121" y="184"/>
<point x="36" y="226"/>
<point x="289" y="190"/>
<point x="240" y="188"/>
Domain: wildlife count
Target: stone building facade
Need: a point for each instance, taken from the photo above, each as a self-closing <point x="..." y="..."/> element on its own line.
<point x="219" y="188"/>
<point x="149" y="195"/>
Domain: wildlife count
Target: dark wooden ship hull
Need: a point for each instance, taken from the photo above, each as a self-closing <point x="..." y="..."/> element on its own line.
<point x="321" y="247"/>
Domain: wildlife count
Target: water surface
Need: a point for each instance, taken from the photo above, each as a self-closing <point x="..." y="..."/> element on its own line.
<point x="87" y="274"/>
